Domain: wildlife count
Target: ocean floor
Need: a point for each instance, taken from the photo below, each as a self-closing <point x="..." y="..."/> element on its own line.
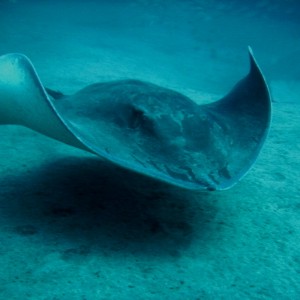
<point x="73" y="227"/>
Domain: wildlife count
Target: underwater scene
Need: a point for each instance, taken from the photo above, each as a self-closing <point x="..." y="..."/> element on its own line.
<point x="150" y="150"/>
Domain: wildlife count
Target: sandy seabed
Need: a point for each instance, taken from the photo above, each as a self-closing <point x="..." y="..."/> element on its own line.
<point x="74" y="227"/>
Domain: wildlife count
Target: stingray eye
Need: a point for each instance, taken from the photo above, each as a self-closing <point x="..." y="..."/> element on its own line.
<point x="136" y="118"/>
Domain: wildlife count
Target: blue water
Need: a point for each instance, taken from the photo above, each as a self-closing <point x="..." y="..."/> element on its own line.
<point x="195" y="44"/>
<point x="73" y="228"/>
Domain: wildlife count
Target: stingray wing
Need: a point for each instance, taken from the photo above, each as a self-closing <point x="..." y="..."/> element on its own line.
<point x="246" y="111"/>
<point x="24" y="101"/>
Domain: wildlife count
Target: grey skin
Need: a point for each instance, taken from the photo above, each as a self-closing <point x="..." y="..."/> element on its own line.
<point x="146" y="128"/>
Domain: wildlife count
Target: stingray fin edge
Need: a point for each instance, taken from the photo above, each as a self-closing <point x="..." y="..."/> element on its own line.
<point x="24" y="101"/>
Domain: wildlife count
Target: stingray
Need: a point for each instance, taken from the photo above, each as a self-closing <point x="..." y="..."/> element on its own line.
<point x="145" y="128"/>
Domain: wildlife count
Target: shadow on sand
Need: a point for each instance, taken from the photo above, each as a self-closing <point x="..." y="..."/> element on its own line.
<point x="86" y="205"/>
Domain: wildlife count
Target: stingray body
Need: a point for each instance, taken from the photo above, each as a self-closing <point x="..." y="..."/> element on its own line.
<point x="144" y="127"/>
